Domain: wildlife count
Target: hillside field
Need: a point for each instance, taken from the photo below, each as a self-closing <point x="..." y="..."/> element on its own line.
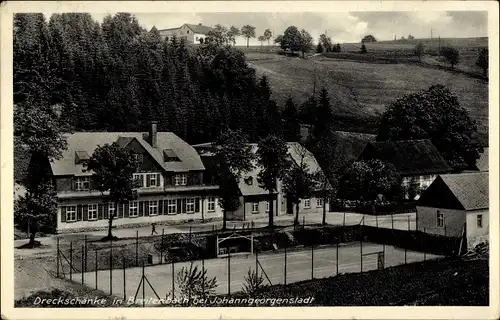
<point x="362" y="89"/>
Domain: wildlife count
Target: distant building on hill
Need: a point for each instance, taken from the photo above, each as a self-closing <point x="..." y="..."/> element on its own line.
<point x="456" y="205"/>
<point x="192" y="33"/>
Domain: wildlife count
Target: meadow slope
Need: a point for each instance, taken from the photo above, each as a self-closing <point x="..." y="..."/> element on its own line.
<point x="363" y="90"/>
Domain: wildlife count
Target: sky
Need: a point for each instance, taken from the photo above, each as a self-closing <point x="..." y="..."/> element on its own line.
<point x="340" y="26"/>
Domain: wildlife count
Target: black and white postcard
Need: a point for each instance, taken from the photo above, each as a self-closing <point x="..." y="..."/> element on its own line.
<point x="260" y="160"/>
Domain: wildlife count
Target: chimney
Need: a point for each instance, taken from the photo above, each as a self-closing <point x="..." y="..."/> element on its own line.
<point x="152" y="133"/>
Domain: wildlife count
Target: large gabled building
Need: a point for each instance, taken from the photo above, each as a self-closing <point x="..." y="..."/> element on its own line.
<point x="255" y="200"/>
<point x="170" y="174"/>
<point x="191" y="33"/>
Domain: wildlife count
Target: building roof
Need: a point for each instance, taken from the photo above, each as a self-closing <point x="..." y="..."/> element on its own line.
<point x="482" y="164"/>
<point x="196" y="28"/>
<point x="348" y="146"/>
<point x="248" y="183"/>
<point x="410" y="157"/>
<point x="199" y="28"/>
<point x="88" y="141"/>
<point x="471" y="189"/>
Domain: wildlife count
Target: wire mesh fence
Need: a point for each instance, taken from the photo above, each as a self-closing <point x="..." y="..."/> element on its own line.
<point x="149" y="269"/>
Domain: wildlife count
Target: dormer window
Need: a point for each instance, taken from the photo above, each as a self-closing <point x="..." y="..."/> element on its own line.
<point x="81" y="157"/>
<point x="82" y="183"/>
<point x="170" y="156"/>
<point x="249" y="180"/>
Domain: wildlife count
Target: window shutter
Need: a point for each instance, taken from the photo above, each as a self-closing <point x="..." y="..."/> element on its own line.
<point x="126" y="212"/>
<point x="141" y="208"/>
<point x="99" y="211"/>
<point x="179" y="205"/>
<point x="184" y="205"/>
<point x="158" y="177"/>
<point x="79" y="212"/>
<point x="63" y="214"/>
<point x="148" y="180"/>
<point x="189" y="179"/>
<point x="85" y="212"/>
<point x="160" y="207"/>
<point x="141" y="179"/>
<point x="197" y="205"/>
<point x="120" y="210"/>
<point x="105" y="211"/>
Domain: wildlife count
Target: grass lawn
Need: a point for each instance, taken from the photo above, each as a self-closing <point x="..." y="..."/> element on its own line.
<point x="363" y="90"/>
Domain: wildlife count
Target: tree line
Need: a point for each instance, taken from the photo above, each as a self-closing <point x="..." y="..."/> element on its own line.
<point x="96" y="73"/>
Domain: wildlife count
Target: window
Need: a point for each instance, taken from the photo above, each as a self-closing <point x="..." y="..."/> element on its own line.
<point x="133" y="210"/>
<point x="82" y="183"/>
<point x="255" y="207"/>
<point x="440" y="219"/>
<point x="70" y="213"/>
<point x="172" y="206"/>
<point x="93" y="211"/>
<point x="479" y="221"/>
<point x="181" y="179"/>
<point x="190" y="205"/>
<point x="111" y="209"/>
<point x="319" y="203"/>
<point x="138" y="181"/>
<point x="267" y="206"/>
<point x="307" y="203"/>
<point x="211" y="204"/>
<point x="151" y="180"/>
<point x="153" y="208"/>
<point x="139" y="158"/>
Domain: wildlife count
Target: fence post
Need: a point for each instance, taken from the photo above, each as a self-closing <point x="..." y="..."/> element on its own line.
<point x="424" y="246"/>
<point x="124" y="291"/>
<point x="111" y="267"/>
<point x="143" y="287"/>
<point x="343" y="221"/>
<point x="257" y="267"/>
<point x="190" y="234"/>
<point x="57" y="259"/>
<point x="173" y="280"/>
<point x="203" y="278"/>
<point x="361" y="249"/>
<point x="137" y="248"/>
<point x="85" y="253"/>
<point x="161" y="248"/>
<point x="286" y="245"/>
<point x="96" y="259"/>
<point x="392" y="222"/>
<point x="337" y="254"/>
<point x="229" y="271"/>
<point x="71" y="260"/>
<point x="376" y="219"/>
<point x="312" y="261"/>
<point x="83" y="261"/>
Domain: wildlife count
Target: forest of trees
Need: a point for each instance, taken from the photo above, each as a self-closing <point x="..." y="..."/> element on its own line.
<point x="117" y="76"/>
